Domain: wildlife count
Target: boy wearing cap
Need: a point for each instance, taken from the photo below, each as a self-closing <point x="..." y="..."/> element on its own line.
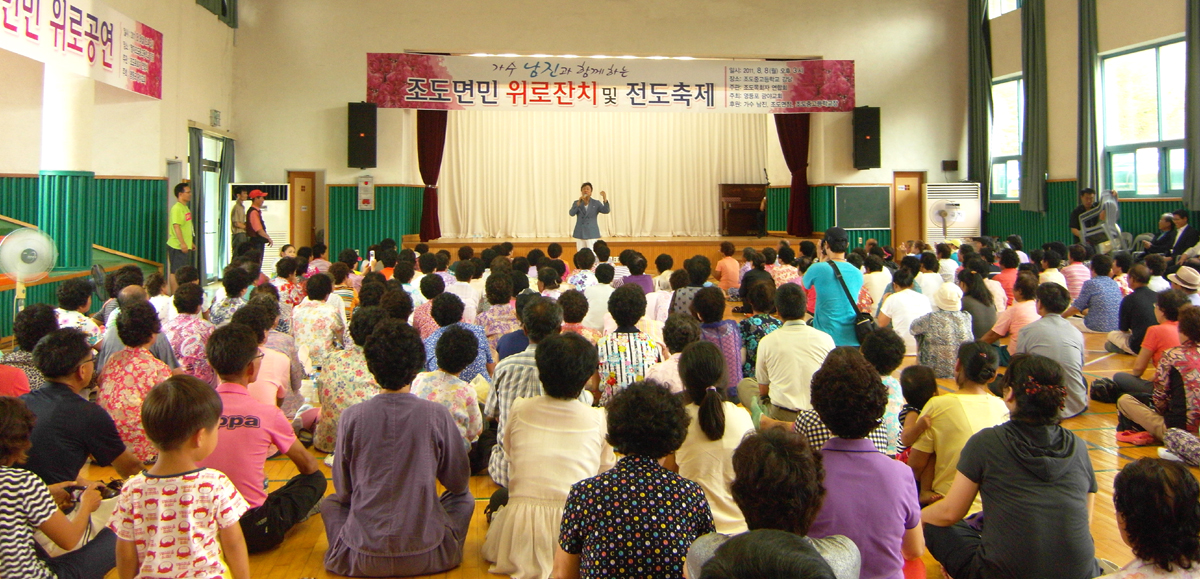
<point x="834" y="313"/>
<point x="255" y="228"/>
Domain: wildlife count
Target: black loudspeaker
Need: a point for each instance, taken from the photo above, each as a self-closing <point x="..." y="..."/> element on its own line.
<point x="866" y="138"/>
<point x="360" y="143"/>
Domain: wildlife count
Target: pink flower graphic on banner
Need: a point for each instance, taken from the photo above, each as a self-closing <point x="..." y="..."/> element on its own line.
<point x="388" y="83"/>
<point x="153" y="59"/>
<point x="822" y="86"/>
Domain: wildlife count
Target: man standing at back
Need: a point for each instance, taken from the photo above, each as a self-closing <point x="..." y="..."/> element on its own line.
<point x="180" y="235"/>
<point x="237" y="218"/>
<point x="256" y="228"/>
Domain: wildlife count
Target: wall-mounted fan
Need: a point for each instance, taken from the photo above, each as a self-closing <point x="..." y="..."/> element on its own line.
<point x="26" y="255"/>
<point x="944" y="214"/>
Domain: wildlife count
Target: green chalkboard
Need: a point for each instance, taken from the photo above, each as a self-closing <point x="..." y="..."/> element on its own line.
<point x="862" y="206"/>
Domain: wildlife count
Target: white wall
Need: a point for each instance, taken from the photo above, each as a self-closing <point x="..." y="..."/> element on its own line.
<point x="133" y="135"/>
<point x="297" y="64"/>
<point x="1122" y="24"/>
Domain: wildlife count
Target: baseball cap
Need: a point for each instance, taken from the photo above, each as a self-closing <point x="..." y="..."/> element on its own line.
<point x="257" y="193"/>
<point x="836" y="234"/>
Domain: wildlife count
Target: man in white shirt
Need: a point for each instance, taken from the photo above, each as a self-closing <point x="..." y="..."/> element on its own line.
<point x="788" y="357"/>
<point x="463" y="271"/>
<point x="597" y="296"/>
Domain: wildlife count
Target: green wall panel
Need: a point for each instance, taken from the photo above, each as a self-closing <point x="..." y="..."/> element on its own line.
<point x="777" y="208"/>
<point x="822" y="207"/>
<point x="18" y="198"/>
<point x="130" y="216"/>
<point x="860" y="236"/>
<point x="1040" y="228"/>
<point x="64" y="213"/>
<point x="397" y="213"/>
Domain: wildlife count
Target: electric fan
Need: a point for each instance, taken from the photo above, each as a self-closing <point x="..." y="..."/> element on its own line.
<point x="26" y="255"/>
<point x="945" y="213"/>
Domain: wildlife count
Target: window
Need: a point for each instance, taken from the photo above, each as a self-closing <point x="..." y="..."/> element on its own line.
<point x="998" y="7"/>
<point x="1008" y="106"/>
<point x="1143" y="121"/>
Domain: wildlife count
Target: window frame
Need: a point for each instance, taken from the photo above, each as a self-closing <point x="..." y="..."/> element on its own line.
<point x="999" y="14"/>
<point x="1164" y="147"/>
<point x="1003" y="160"/>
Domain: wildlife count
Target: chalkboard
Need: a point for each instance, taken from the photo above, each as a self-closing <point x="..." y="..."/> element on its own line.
<point x="863" y="207"/>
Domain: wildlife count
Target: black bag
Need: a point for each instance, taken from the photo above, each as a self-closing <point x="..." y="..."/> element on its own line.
<point x="864" y="323"/>
<point x="1104" y="390"/>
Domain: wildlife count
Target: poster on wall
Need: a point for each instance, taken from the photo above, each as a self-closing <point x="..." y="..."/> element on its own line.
<point x="85" y="37"/>
<point x="420" y="81"/>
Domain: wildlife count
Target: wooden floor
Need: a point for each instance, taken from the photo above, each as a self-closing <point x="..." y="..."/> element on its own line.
<point x="301" y="554"/>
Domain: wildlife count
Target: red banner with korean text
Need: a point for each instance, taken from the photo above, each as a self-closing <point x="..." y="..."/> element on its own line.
<point x="419" y="81"/>
<point x="85" y="37"/>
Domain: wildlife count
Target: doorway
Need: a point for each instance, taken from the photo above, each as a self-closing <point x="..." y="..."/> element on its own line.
<point x="910" y="205"/>
<point x="302" y="186"/>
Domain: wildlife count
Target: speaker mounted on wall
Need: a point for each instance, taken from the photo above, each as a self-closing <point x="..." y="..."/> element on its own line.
<point x="360" y="144"/>
<point x="866" y="138"/>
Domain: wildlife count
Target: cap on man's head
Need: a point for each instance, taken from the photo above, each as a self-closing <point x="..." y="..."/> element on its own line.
<point x="836" y="234"/>
<point x="257" y="193"/>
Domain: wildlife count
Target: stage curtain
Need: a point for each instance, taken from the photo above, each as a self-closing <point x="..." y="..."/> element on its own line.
<point x="1191" y="109"/>
<point x="1035" y="150"/>
<point x="979" y="98"/>
<point x="431" y="143"/>
<point x="515" y="174"/>
<point x="793" y="139"/>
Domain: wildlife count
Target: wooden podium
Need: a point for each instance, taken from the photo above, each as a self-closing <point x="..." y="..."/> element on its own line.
<point x="739" y="208"/>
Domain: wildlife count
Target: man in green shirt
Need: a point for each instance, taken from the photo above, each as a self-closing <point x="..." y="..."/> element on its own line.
<point x="181" y="235"/>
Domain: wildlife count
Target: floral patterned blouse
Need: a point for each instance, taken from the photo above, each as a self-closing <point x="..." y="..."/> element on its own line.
<point x="591" y="334"/>
<point x="290" y="293"/>
<point x="283" y="323"/>
<point x="582" y="279"/>
<point x="1186" y="361"/>
<point x="23" y="361"/>
<point x="457" y="396"/>
<point x="784" y="274"/>
<point x="317" y="325"/>
<point x="73" y="319"/>
<point x="497" y="321"/>
<point x="728" y="338"/>
<point x="624" y="359"/>
<point x="188" y="335"/>
<point x="662" y="514"/>
<point x="423" y="319"/>
<point x="127" y="377"/>
<point x="222" y="311"/>
<point x="753" y="329"/>
<point x="343" y="382"/>
<point x="939" y="334"/>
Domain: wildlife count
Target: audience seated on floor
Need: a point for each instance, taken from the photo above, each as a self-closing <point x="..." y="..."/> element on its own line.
<point x="1158" y="339"/>
<point x="456" y="348"/>
<point x="342" y="382"/>
<point x="130" y="374"/>
<point x="1135" y="315"/>
<point x="188" y="332"/>
<point x="1159" y="518"/>
<point x="74" y="302"/>
<point x="274" y="380"/>
<point x="698" y="268"/>
<point x="1032" y="474"/>
<point x="1021" y="313"/>
<point x="940" y="332"/>
<point x="904" y="305"/>
<point x="678" y="332"/>
<point x="1054" y="337"/>
<point x="885" y="351"/>
<point x="1099" y="300"/>
<point x="447" y="312"/>
<point x="252" y="432"/>
<point x="575" y="307"/>
<point x="978" y="301"/>
<point x="627" y="353"/>
<point x="709" y="307"/>
<point x="1176" y="386"/>
<point x="30" y="325"/>
<point x="787" y="359"/>
<point x="597" y="296"/>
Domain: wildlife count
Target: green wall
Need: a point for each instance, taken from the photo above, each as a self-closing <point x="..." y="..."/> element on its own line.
<point x="18" y="198"/>
<point x="777" y="208"/>
<point x="397" y="212"/>
<point x="1037" y="229"/>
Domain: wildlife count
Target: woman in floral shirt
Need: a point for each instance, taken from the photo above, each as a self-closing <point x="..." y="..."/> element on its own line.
<point x="761" y="297"/>
<point x="290" y="286"/>
<point x="344" y="380"/>
<point x="235" y="281"/>
<point x="455" y="350"/>
<point x="317" y="324"/>
<point x="188" y="333"/>
<point x="130" y="374"/>
<point x="709" y="307"/>
<point x="941" y="332"/>
<point x="627" y="353"/>
<point x="501" y="317"/>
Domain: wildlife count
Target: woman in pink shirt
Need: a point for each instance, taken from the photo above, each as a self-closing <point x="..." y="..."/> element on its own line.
<point x="1009" y="260"/>
<point x="727" y="271"/>
<point x="130" y="373"/>
<point x="1011" y="320"/>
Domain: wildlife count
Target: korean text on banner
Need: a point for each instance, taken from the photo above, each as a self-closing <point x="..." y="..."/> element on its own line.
<point x="419" y="81"/>
<point x="85" y="37"/>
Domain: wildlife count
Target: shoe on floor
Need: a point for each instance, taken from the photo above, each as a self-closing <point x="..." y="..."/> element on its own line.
<point x="1165" y="454"/>
<point x="1140" y="438"/>
<point x="329" y="460"/>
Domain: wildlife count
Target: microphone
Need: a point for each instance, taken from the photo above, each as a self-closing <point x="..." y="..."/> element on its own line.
<point x="766" y="177"/>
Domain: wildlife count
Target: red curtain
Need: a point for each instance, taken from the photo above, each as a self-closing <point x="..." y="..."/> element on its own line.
<point x="431" y="142"/>
<point x="793" y="138"/>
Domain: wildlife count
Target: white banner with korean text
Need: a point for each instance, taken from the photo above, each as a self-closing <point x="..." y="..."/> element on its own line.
<point x="419" y="81"/>
<point x="86" y="37"/>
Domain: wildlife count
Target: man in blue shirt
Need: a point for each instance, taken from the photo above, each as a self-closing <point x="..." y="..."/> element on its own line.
<point x="834" y="313"/>
<point x="587" y="229"/>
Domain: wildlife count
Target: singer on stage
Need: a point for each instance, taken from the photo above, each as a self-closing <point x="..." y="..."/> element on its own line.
<point x="587" y="230"/>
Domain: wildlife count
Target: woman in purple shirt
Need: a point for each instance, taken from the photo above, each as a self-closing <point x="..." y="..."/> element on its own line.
<point x="386" y="518"/>
<point x="709" y="306"/>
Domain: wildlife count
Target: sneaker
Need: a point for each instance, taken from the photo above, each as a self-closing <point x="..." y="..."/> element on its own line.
<point x="1140" y="438"/>
<point x="1165" y="454"/>
<point x="329" y="460"/>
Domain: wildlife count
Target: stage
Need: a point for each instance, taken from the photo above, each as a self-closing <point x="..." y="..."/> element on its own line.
<point x="680" y="248"/>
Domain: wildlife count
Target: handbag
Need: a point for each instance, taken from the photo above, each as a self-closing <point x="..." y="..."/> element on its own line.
<point x="864" y="323"/>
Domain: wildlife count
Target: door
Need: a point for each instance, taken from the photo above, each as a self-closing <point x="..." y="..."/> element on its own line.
<point x="302" y="198"/>
<point x="909" y="209"/>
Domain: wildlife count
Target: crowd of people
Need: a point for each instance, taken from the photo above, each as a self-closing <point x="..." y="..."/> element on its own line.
<point x="635" y="424"/>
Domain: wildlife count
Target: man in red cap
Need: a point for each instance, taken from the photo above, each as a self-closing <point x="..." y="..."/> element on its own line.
<point x="255" y="228"/>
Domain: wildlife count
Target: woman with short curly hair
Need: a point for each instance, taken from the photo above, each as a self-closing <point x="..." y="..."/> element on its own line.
<point x="1158" y="514"/>
<point x="660" y="513"/>
<point x="130" y="374"/>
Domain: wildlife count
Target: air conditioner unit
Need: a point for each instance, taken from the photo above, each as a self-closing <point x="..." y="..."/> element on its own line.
<point x="277" y="217"/>
<point x="952" y="211"/>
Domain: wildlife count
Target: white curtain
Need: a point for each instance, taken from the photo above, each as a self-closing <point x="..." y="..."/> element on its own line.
<point x="515" y="174"/>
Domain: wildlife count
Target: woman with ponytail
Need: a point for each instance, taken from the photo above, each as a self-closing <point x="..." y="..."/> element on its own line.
<point x="948" y="421"/>
<point x="716" y="429"/>
<point x="1037" y="483"/>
